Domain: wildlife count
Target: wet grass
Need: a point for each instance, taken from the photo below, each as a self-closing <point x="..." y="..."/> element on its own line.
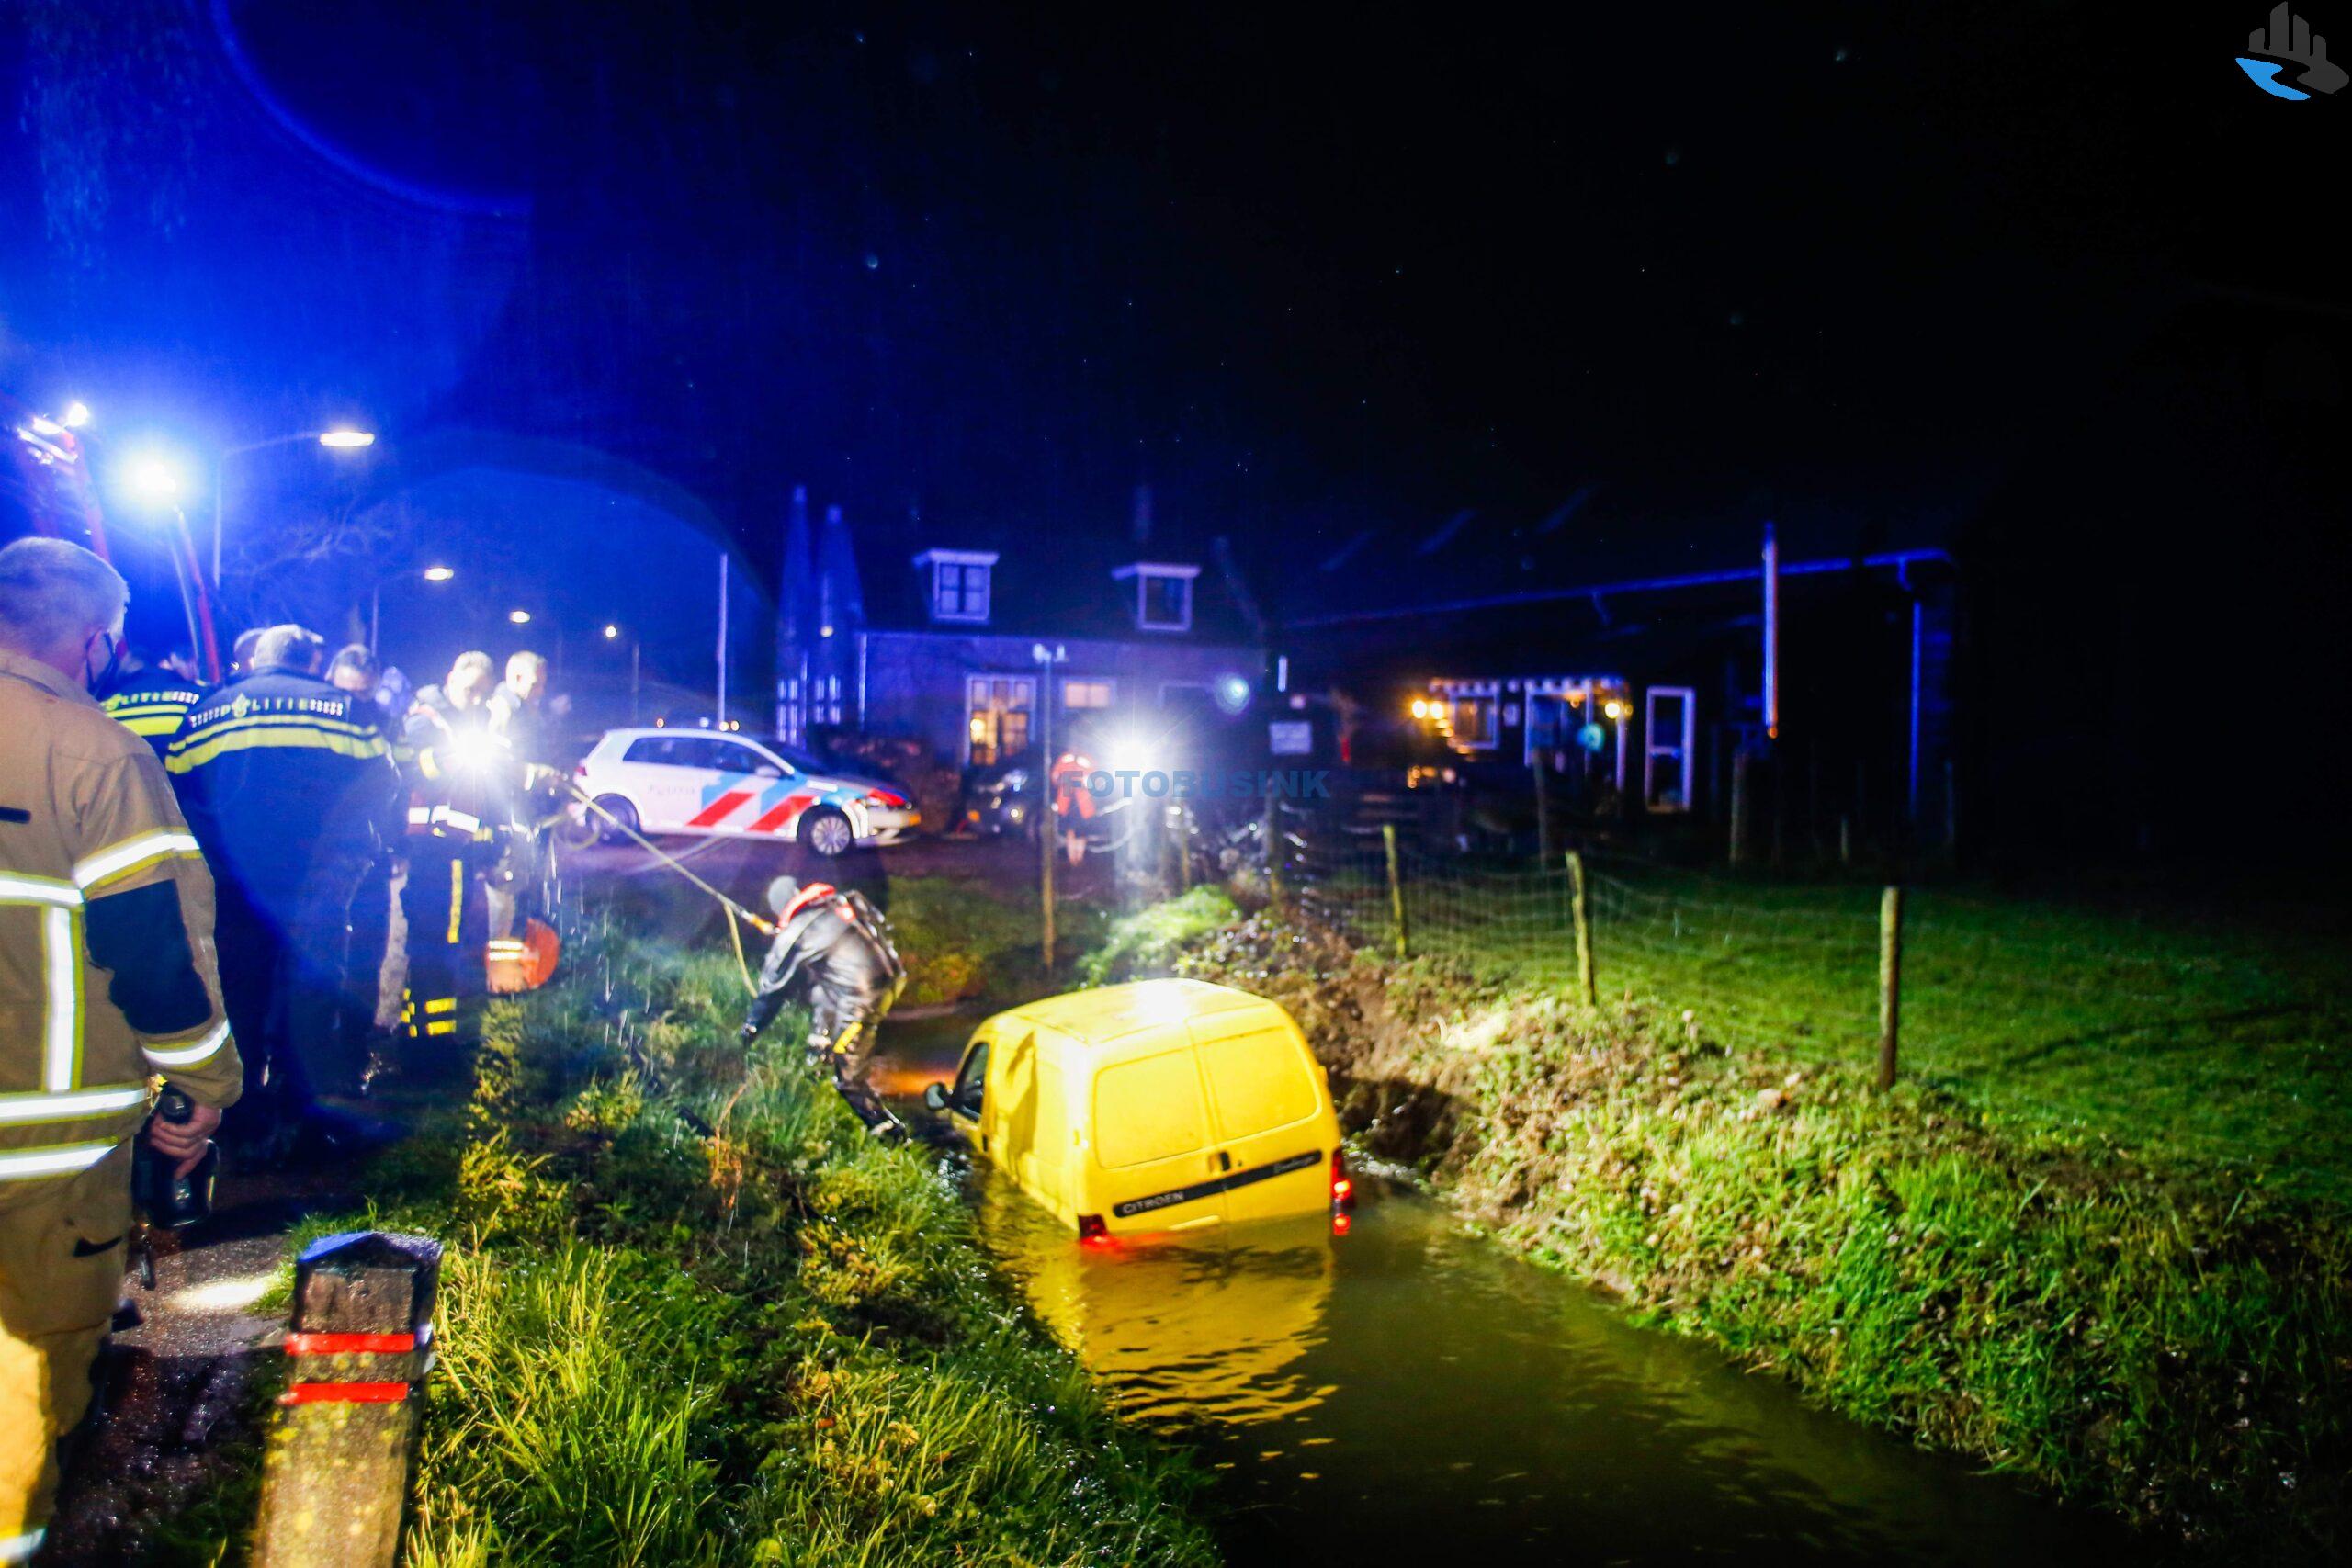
<point x="692" y="1314"/>
<point x="2198" y="1038"/>
<point x="2122" y="1327"/>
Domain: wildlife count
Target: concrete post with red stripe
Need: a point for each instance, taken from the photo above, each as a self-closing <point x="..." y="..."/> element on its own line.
<point x="335" y="1480"/>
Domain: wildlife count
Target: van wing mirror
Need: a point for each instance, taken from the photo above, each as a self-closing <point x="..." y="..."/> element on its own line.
<point x="936" y="1096"/>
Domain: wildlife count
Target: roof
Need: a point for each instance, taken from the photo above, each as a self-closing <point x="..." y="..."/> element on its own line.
<point x="1057" y="584"/>
<point x="1110" y="1014"/>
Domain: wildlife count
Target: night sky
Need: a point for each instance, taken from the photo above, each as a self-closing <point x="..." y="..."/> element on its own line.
<point x="1297" y="270"/>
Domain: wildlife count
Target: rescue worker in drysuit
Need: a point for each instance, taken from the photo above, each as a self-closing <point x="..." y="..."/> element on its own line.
<point x="836" y="946"/>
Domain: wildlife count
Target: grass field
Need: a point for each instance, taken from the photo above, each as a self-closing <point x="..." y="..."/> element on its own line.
<point x="2201" y="1040"/>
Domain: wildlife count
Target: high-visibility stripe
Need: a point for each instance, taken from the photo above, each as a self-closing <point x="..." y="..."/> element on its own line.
<point x="345" y="1393"/>
<point x="457" y="897"/>
<point x="147" y="726"/>
<point x="446" y="1026"/>
<point x="25" y="1165"/>
<point x="20" y="1548"/>
<point x="74" y="1105"/>
<point x="205" y="1048"/>
<point x="122" y="859"/>
<point x="349" y="1343"/>
<point x="197" y="747"/>
<point x="440" y="1004"/>
<point x="22" y="889"/>
<point x="718" y="810"/>
<point x="61" y="952"/>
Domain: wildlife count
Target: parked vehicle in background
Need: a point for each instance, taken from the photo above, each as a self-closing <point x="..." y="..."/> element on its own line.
<point x="706" y="784"/>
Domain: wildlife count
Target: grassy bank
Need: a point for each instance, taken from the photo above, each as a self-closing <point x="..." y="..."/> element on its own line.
<point x="690" y="1314"/>
<point x="2123" y="1329"/>
<point x="2209" y="1039"/>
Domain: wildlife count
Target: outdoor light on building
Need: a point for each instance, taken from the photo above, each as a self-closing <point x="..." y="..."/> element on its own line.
<point x="76" y="415"/>
<point x="1421" y="708"/>
<point x="1613" y="708"/>
<point x="520" y="617"/>
<point x="1232" y="692"/>
<point x="346" y="439"/>
<point x="439" y="573"/>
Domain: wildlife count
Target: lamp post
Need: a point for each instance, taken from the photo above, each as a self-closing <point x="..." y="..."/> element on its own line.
<point x="376" y="598"/>
<point x="335" y="440"/>
<point x="158" y="481"/>
<point x="1047" y="658"/>
<point x="636" y="648"/>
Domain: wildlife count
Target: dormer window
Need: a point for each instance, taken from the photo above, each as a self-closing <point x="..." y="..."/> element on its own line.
<point x="1163" y="594"/>
<point x="959" y="584"/>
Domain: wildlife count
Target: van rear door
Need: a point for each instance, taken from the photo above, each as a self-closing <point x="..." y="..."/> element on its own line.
<point x="1273" y="1136"/>
<point x="1156" y="1169"/>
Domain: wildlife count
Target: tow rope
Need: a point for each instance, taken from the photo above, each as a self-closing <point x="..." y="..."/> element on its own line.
<point x="736" y="910"/>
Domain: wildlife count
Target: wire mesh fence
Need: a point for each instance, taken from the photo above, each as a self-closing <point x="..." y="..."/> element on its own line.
<point x="2031" y="1002"/>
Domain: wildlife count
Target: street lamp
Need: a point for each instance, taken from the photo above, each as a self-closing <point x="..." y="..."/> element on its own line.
<point x="340" y="440"/>
<point x="520" y="617"/>
<point x="376" y="598"/>
<point x="158" y="481"/>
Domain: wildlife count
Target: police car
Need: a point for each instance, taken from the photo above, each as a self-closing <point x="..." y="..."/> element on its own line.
<point x="703" y="783"/>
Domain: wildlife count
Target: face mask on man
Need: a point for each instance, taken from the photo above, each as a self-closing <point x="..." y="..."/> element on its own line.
<point x="101" y="680"/>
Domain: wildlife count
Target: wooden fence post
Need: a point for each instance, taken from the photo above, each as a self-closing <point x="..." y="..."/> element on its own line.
<point x="1587" y="983"/>
<point x="1395" y="885"/>
<point x="335" y="1476"/>
<point x="1543" y="804"/>
<point x="1739" y="809"/>
<point x="1889" y="981"/>
<point x="1273" y="831"/>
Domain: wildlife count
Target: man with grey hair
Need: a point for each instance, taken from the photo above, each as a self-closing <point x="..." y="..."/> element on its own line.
<point x="290" y="787"/>
<point x="106" y="979"/>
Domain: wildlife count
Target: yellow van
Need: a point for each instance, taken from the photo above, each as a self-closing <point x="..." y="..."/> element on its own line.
<point x="1165" y="1105"/>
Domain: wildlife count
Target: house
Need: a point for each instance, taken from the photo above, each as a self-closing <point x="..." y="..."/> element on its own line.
<point x="947" y="636"/>
<point x="1511" y="642"/>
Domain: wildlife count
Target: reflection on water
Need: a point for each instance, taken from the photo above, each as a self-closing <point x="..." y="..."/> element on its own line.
<point x="1190" y="1330"/>
<point x="1412" y="1389"/>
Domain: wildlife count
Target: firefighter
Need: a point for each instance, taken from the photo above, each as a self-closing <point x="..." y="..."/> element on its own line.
<point x="837" y="948"/>
<point x="455" y="772"/>
<point x="291" y="788"/>
<point x="106" y="979"/>
<point x="151" y="701"/>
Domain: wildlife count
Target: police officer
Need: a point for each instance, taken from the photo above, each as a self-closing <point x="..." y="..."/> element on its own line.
<point x="151" y="701"/>
<point x="289" y="786"/>
<point x="106" y="979"/>
<point x="456" y="774"/>
<point x="835" y="946"/>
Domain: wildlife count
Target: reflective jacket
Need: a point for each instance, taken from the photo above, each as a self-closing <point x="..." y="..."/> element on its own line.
<point x="278" y="771"/>
<point x="459" y="775"/>
<point x="837" y="944"/>
<point x="107" y="972"/>
<point x="152" y="705"/>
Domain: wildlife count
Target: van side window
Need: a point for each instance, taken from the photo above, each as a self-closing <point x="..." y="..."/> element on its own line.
<point x="972" y="1082"/>
<point x="1148" y="1110"/>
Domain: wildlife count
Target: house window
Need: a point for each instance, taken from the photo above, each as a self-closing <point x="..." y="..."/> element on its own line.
<point x="1473" y="722"/>
<point x="959" y="583"/>
<point x="1163" y="594"/>
<point x="996" y="717"/>
<point x="1076" y="694"/>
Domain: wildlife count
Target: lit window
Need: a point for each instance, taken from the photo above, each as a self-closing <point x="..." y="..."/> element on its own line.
<point x="1163" y="594"/>
<point x="1086" y="693"/>
<point x="1473" y="721"/>
<point x="959" y="583"/>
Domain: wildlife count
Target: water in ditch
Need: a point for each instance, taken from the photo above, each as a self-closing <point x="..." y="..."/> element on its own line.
<point x="1410" y="1389"/>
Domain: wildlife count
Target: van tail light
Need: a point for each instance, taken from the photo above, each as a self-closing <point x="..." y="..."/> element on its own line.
<point x="887" y="799"/>
<point x="1343" y="1187"/>
<point x="1092" y="1232"/>
<point x="579" y="770"/>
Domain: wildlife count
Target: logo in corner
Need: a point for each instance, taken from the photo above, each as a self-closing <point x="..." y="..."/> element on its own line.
<point x="2289" y="48"/>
